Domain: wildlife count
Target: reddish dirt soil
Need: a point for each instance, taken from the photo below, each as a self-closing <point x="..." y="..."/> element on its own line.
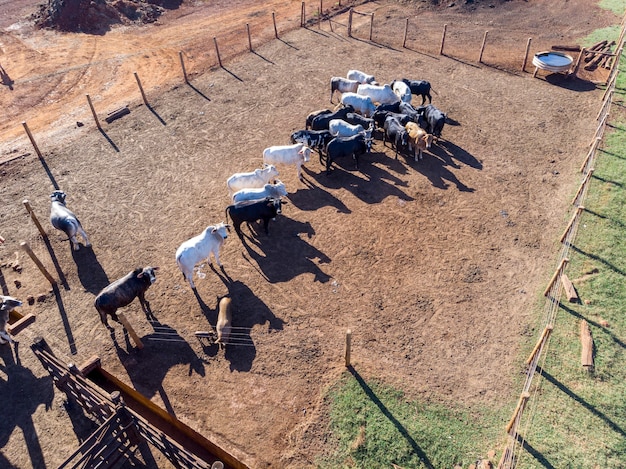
<point x="435" y="266"/>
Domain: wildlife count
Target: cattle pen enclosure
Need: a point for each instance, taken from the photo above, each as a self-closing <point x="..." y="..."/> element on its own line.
<point x="434" y="266"/>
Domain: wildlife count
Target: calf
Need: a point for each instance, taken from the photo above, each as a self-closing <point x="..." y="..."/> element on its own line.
<point x="402" y="90"/>
<point x="379" y="94"/>
<point x="313" y="115"/>
<point x="420" y="87"/>
<point x="63" y="219"/>
<point x="347" y="146"/>
<point x="314" y="139"/>
<point x="276" y="191"/>
<point x="252" y="211"/>
<point x="435" y="120"/>
<point x="200" y="247"/>
<point x="342" y="85"/>
<point x="122" y="292"/>
<point x="361" y="77"/>
<point x="256" y="178"/>
<point x="224" y="322"/>
<point x="295" y="155"/>
<point x="395" y="133"/>
<point x="7" y="304"/>
<point x="321" y="122"/>
<point x="361" y="104"/>
<point x="419" y="139"/>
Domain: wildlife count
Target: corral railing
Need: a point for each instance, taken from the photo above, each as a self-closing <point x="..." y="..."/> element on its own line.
<point x="559" y="280"/>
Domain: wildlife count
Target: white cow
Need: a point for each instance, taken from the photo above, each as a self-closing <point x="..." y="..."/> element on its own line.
<point x="295" y="155"/>
<point x="361" y="77"/>
<point x="343" y="85"/>
<point x="63" y="219"/>
<point x="256" y="178"/>
<point x="275" y="191"/>
<point x="402" y="90"/>
<point x="361" y="104"/>
<point x="341" y="128"/>
<point x="7" y="304"/>
<point x="379" y="94"/>
<point x="200" y="247"/>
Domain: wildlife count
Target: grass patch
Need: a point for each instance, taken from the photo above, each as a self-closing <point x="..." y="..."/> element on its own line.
<point x="616" y="6"/>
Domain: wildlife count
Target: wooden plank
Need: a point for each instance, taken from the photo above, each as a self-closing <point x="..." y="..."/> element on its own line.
<point x="113" y="115"/>
<point x="130" y="330"/>
<point x="570" y="291"/>
<point x="586" y="340"/>
<point x="21" y="324"/>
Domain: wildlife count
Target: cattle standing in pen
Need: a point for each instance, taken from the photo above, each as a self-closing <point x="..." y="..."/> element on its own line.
<point x="314" y="139"/>
<point x="7" y="304"/>
<point x="275" y="191"/>
<point x="356" y="119"/>
<point x="199" y="248"/>
<point x="340" y="128"/>
<point x="123" y="291"/>
<point x="419" y="87"/>
<point x="321" y="122"/>
<point x="293" y="155"/>
<point x="396" y="134"/>
<point x="361" y="104"/>
<point x="313" y="115"/>
<point x="435" y="120"/>
<point x="256" y="178"/>
<point x="349" y="146"/>
<point x="381" y="94"/>
<point x="419" y="140"/>
<point x="63" y="219"/>
<point x="381" y="116"/>
<point x="249" y="212"/>
<point x="416" y="115"/>
<point x="342" y="85"/>
<point x="402" y="90"/>
<point x="359" y="76"/>
<point x="224" y="321"/>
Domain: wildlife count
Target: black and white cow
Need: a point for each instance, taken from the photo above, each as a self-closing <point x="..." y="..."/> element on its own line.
<point x="347" y="146"/>
<point x="396" y="133"/>
<point x="63" y="219"/>
<point x="342" y="85"/>
<point x="314" y="139"/>
<point x="435" y="120"/>
<point x="123" y="291"/>
<point x="421" y="87"/>
<point x="7" y="304"/>
<point x="249" y="212"/>
<point x="357" y="119"/>
<point x="381" y="116"/>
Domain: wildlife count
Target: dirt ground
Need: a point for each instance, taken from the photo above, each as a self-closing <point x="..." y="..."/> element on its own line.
<point x="434" y="266"/>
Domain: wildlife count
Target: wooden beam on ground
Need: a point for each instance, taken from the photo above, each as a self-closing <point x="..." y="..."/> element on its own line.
<point x="586" y="340"/>
<point x="130" y="330"/>
<point x="21" y="323"/>
<point x="570" y="291"/>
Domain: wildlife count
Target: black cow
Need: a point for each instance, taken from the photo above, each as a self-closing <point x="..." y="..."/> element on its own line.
<point x="122" y="292"/>
<point x="416" y="115"/>
<point x="316" y="139"/>
<point x="381" y="116"/>
<point x="265" y="210"/>
<point x="321" y="122"/>
<point x="357" y="119"/>
<point x="420" y="87"/>
<point x="389" y="107"/>
<point x="347" y="146"/>
<point x="395" y="133"/>
<point x="313" y="115"/>
<point x="435" y="119"/>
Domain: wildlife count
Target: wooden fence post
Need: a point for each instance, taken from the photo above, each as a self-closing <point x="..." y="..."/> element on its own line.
<point x="32" y="140"/>
<point x="482" y="48"/>
<point x="583" y="184"/>
<point x="274" y="21"/>
<point x="130" y="330"/>
<point x="443" y="39"/>
<point x="348" y="346"/>
<point x="182" y="64"/>
<point x="544" y="336"/>
<point x="143" y="95"/>
<point x="350" y="23"/>
<point x="555" y="276"/>
<point x="217" y="51"/>
<point x="37" y="262"/>
<point x="93" y="111"/>
<point x="249" y="39"/>
<point x="526" y="54"/>
<point x="577" y="213"/>
<point x="594" y="147"/>
<point x="520" y="407"/>
<point x="371" y="25"/>
<point x="406" y="31"/>
<point x="34" y="218"/>
<point x="586" y="340"/>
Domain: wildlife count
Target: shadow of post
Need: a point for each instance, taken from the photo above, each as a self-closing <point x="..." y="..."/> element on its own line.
<point x="111" y="142"/>
<point x="64" y="319"/>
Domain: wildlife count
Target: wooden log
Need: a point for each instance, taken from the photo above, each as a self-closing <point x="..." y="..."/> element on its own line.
<point x="518" y="410"/>
<point x="544" y="336"/>
<point x="526" y="54"/>
<point x="21" y="324"/>
<point x="348" y="347"/>
<point x="249" y="39"/>
<point x="350" y="22"/>
<point x="130" y="330"/>
<point x="580" y="56"/>
<point x="37" y="262"/>
<point x="302" y="16"/>
<point x="570" y="291"/>
<point x="406" y="31"/>
<point x="371" y="25"/>
<point x="143" y="95"/>
<point x="577" y="213"/>
<point x="114" y="115"/>
<point x="586" y="340"/>
<point x="274" y="21"/>
<point x="33" y="217"/>
<point x="555" y="276"/>
<point x="482" y="47"/>
<point x="31" y="138"/>
<point x="443" y="39"/>
<point x="90" y="364"/>
<point x="572" y="48"/>
<point x="93" y="112"/>
<point x="598" y="56"/>
<point x="182" y="64"/>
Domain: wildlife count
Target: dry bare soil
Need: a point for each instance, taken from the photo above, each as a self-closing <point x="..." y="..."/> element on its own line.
<point x="435" y="266"/>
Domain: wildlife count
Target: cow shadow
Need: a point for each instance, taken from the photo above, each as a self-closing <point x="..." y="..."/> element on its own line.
<point x="315" y="197"/>
<point x="22" y="394"/>
<point x="92" y="276"/>
<point x="449" y="151"/>
<point x="162" y="350"/>
<point x="285" y="254"/>
<point x="434" y="167"/>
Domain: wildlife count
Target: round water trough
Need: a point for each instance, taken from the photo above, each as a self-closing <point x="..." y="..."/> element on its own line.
<point x="552" y="61"/>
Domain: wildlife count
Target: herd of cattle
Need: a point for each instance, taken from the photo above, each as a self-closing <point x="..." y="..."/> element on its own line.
<point x="347" y="131"/>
